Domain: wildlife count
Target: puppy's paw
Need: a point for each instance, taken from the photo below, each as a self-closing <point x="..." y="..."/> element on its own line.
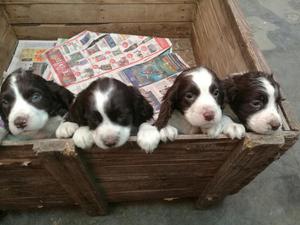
<point x="214" y="131"/>
<point x="168" y="133"/>
<point x="83" y="138"/>
<point x="66" y="129"/>
<point x="148" y="137"/>
<point x="234" y="130"/>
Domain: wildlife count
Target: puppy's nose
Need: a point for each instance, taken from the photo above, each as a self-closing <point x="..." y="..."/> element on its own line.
<point x="20" y="122"/>
<point x="110" y="141"/>
<point x="275" y="125"/>
<point x="209" y="115"/>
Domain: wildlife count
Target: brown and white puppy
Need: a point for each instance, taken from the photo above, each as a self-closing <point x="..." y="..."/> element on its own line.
<point x="106" y="113"/>
<point x="193" y="104"/>
<point x="254" y="98"/>
<point x="32" y="107"/>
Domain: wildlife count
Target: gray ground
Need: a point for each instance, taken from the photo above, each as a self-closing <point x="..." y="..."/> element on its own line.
<point x="274" y="196"/>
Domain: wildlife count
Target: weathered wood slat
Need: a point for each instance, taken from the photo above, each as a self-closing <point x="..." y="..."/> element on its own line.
<point x="143" y="195"/>
<point x="53" y="31"/>
<point x="35" y="203"/>
<point x="155" y="184"/>
<point x="214" y="39"/>
<point x="201" y="169"/>
<point x="125" y="2"/>
<point x="8" y="42"/>
<point x="98" y="13"/>
<point x="140" y="159"/>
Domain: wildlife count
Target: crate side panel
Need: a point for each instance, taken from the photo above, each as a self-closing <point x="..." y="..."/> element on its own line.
<point x="179" y="169"/>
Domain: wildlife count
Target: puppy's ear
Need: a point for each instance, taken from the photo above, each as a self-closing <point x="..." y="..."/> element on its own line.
<point x="168" y="105"/>
<point x="77" y="112"/>
<point x="230" y="89"/>
<point x="143" y="111"/>
<point x="62" y="95"/>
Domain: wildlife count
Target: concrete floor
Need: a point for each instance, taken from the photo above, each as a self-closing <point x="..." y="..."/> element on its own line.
<point x="273" y="198"/>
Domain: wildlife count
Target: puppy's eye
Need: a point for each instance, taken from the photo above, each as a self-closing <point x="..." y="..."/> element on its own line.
<point x="36" y="97"/>
<point x="216" y="92"/>
<point x="257" y="104"/>
<point x="4" y="103"/>
<point x="189" y="96"/>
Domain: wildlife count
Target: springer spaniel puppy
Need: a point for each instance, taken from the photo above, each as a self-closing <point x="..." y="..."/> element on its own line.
<point x="193" y="104"/>
<point x="32" y="107"/>
<point x="254" y="98"/>
<point x="106" y="113"/>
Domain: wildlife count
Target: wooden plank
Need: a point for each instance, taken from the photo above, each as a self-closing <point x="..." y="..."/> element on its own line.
<point x="53" y="31"/>
<point x="154" y="184"/>
<point x="214" y="39"/>
<point x="98" y="13"/>
<point x="35" y="203"/>
<point x="244" y="164"/>
<point x="65" y="165"/>
<point x="97" y="1"/>
<point x="8" y="42"/>
<point x="3" y="23"/>
<point x="143" y="195"/>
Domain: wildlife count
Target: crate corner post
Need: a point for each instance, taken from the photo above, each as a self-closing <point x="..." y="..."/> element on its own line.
<point x="64" y="162"/>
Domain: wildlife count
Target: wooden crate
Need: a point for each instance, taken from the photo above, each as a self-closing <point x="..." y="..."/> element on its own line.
<point x="53" y="173"/>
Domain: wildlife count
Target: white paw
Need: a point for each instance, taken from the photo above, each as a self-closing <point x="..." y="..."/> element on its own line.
<point x="214" y="131"/>
<point x="83" y="138"/>
<point x="168" y="133"/>
<point x="148" y="137"/>
<point x="66" y="129"/>
<point x="234" y="130"/>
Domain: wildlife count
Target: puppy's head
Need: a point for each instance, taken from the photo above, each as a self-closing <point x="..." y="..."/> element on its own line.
<point x="198" y="95"/>
<point x="254" y="97"/>
<point x="27" y="101"/>
<point x="110" y="109"/>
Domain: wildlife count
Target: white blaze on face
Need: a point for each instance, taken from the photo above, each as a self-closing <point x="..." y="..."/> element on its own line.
<point x="108" y="131"/>
<point x="205" y="102"/>
<point x="36" y="118"/>
<point x="261" y="121"/>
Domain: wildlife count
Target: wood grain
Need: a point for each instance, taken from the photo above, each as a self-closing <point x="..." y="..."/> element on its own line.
<point x="98" y="13"/>
<point x="214" y="40"/>
<point x="125" y="2"/>
<point x="8" y="42"/>
<point x="53" y="31"/>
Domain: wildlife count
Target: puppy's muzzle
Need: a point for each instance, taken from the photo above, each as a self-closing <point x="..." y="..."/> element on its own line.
<point x="110" y="141"/>
<point x="21" y="122"/>
<point x="209" y="115"/>
<point x="275" y="125"/>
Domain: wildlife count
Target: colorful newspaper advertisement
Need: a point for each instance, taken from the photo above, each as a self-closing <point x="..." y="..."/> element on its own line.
<point x="85" y="57"/>
<point x="153" y="78"/>
<point x="29" y="55"/>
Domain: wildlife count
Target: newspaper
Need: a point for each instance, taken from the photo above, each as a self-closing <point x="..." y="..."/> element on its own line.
<point x="29" y="55"/>
<point x="85" y="57"/>
<point x="153" y="78"/>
